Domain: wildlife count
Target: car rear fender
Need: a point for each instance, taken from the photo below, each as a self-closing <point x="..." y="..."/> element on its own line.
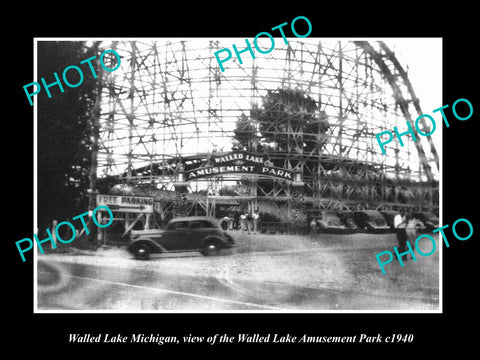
<point x="229" y="238"/>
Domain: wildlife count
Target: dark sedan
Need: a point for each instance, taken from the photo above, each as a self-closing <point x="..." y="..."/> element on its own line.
<point x="371" y="221"/>
<point x="430" y="220"/>
<point x="199" y="233"/>
<point x="348" y="218"/>
<point x="330" y="222"/>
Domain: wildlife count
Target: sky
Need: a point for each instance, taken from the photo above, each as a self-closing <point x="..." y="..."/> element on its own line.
<point x="423" y="56"/>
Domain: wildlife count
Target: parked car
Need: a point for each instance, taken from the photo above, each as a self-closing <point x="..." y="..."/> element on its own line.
<point x="330" y="222"/>
<point x="389" y="216"/>
<point x="348" y="219"/>
<point x="371" y="221"/>
<point x="198" y="233"/>
<point x="430" y="220"/>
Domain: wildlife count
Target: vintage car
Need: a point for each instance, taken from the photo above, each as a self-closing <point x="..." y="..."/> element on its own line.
<point x="389" y="216"/>
<point x="371" y="221"/>
<point x="198" y="233"/>
<point x="330" y="222"/>
<point x="430" y="220"/>
<point x="348" y="218"/>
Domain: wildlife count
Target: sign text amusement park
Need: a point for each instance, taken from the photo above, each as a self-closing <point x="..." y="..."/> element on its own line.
<point x="239" y="162"/>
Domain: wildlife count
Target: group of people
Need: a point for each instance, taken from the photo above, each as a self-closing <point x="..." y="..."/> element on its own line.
<point x="244" y="221"/>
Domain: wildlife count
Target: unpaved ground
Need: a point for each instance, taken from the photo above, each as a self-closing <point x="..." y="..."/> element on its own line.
<point x="342" y="265"/>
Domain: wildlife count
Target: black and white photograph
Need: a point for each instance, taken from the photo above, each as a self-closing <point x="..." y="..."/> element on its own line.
<point x="247" y="175"/>
<point x="217" y="179"/>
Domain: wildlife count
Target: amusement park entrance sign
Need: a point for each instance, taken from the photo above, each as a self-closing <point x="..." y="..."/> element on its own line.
<point x="239" y="162"/>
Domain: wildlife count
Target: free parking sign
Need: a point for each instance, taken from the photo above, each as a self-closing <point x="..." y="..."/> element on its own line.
<point x="128" y="204"/>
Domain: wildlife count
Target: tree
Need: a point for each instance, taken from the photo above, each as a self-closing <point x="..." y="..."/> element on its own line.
<point x="245" y="135"/>
<point x="288" y="121"/>
<point x="64" y="132"/>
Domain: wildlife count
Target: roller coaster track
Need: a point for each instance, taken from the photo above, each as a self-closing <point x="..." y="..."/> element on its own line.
<point x="386" y="61"/>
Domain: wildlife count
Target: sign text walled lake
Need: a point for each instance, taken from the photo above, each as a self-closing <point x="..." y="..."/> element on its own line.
<point x="238" y="162"/>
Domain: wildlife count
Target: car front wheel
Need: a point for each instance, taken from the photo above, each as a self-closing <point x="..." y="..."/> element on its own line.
<point x="142" y="251"/>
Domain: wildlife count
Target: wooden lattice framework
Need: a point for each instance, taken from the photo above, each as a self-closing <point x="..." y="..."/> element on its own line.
<point x="170" y="102"/>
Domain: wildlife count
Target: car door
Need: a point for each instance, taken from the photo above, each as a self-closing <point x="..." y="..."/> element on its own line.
<point x="175" y="237"/>
<point x="198" y="231"/>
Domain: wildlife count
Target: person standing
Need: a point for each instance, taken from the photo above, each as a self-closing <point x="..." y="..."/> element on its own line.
<point x="412" y="230"/>
<point x="313" y="229"/>
<point x="255" y="217"/>
<point x="411" y="227"/>
<point x="236" y="218"/>
<point x="243" y="222"/>
<point x="224" y="222"/>
<point x="249" y="222"/>
<point x="400" y="224"/>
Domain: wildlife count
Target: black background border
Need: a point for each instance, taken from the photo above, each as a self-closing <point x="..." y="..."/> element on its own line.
<point x="49" y="332"/>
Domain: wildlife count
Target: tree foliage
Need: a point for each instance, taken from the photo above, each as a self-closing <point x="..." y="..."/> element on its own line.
<point x="245" y="135"/>
<point x="64" y="131"/>
<point x="287" y="121"/>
